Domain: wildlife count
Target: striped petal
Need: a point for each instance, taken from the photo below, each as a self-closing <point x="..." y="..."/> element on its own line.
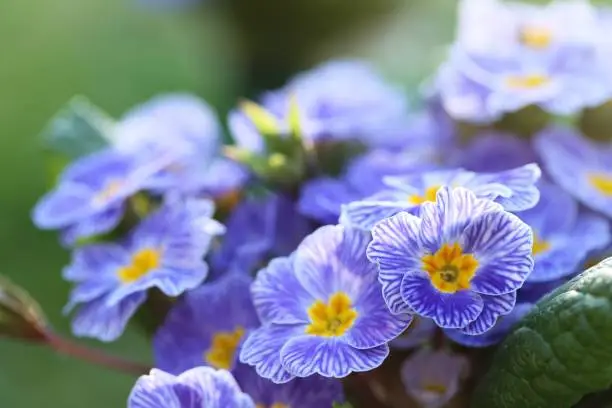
<point x="262" y="350"/>
<point x="447" y="310"/>
<point x="304" y="356"/>
<point x="502" y="244"/>
<point x="494" y="307"/>
<point x="278" y="296"/>
<point x="395" y="249"/>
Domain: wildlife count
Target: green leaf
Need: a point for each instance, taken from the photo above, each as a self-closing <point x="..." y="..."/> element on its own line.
<point x="342" y="405"/>
<point x="78" y="129"/>
<point x="559" y="352"/>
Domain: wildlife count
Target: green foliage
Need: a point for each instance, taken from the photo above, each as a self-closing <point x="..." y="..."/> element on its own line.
<point x="78" y="129"/>
<point x="561" y="351"/>
<point x="342" y="405"/>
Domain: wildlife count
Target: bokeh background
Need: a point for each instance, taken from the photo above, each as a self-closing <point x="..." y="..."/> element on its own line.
<point x="119" y="53"/>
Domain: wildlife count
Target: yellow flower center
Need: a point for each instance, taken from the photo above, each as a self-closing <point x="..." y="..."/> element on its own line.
<point x="143" y="262"/>
<point x="109" y="191"/>
<point x="602" y="182"/>
<point x="449" y="268"/>
<point x="435" y="388"/>
<point x="528" y="81"/>
<point x="223" y="348"/>
<point x="429" y="195"/>
<point x="539" y="245"/>
<point x="535" y="37"/>
<point x="275" y="405"/>
<point x="331" y="319"/>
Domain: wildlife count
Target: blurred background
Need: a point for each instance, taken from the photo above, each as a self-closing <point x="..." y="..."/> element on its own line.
<point x="119" y="53"/>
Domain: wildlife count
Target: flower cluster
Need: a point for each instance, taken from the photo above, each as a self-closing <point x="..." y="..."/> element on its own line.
<point x="339" y="224"/>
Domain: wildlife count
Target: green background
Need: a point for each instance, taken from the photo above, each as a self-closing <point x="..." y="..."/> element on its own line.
<point x="119" y="54"/>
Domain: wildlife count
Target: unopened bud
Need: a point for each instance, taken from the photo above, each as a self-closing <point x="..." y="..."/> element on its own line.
<point x="20" y="315"/>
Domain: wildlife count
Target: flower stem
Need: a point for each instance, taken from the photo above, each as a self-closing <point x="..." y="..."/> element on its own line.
<point x="98" y="357"/>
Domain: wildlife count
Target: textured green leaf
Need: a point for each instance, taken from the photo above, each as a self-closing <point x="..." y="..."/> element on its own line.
<point x="78" y="129"/>
<point x="559" y="352"/>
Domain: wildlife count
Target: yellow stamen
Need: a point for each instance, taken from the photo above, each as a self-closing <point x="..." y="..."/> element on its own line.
<point x="528" y="81"/>
<point x="331" y="319"/>
<point x="449" y="269"/>
<point x="429" y="195"/>
<point x="539" y="245"/>
<point x="223" y="348"/>
<point x="602" y="182"/>
<point x="143" y="262"/>
<point x="435" y="388"/>
<point x="535" y="37"/>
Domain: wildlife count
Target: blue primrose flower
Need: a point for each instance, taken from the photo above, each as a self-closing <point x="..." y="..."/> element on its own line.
<point x="259" y="228"/>
<point x="551" y="59"/>
<point x="187" y="129"/>
<point x="195" y="333"/>
<point x="90" y="196"/>
<point x="195" y="388"/>
<point x="164" y="251"/>
<point x="582" y="167"/>
<point x="331" y="107"/>
<point x="460" y="264"/>
<point x="493" y="152"/>
<point x="322" y="311"/>
<point x="432" y="377"/>
<point x="563" y="235"/>
<point x="322" y="198"/>
<point x="514" y="189"/>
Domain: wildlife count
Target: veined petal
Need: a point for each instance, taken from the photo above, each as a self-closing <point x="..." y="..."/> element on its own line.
<point x="502" y="245"/>
<point x="278" y="295"/>
<point x="445" y="220"/>
<point x="95" y="224"/>
<point x="396" y="250"/>
<point x="448" y="310"/>
<point x="96" y="319"/>
<point x="304" y="356"/>
<point x="66" y="205"/>
<point x="522" y="183"/>
<point x="262" y="350"/>
<point x="494" y="307"/>
<point x="366" y="213"/>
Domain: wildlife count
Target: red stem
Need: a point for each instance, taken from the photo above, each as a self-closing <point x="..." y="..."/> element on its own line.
<point x="95" y="356"/>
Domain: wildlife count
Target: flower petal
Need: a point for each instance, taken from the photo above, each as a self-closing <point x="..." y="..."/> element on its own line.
<point x="304" y="356"/>
<point x="445" y="220"/>
<point x="278" y="295"/>
<point x="502" y="244"/>
<point x="262" y="350"/>
<point x="96" y="319"/>
<point x="494" y="307"/>
<point x="522" y="183"/>
<point x="366" y="213"/>
<point x="396" y="250"/>
<point x="92" y="225"/>
<point x="63" y="206"/>
<point x="448" y="310"/>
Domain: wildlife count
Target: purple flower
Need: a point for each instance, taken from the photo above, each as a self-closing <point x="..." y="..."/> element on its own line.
<point x="259" y="229"/>
<point x="197" y="388"/>
<point x="196" y="333"/>
<point x="90" y="196"/>
<point x="322" y="198"/>
<point x="460" y="264"/>
<point x="515" y="189"/>
<point x="582" y="167"/>
<point x="332" y="107"/>
<point x="563" y="235"/>
<point x="314" y="391"/>
<point x="165" y="251"/>
<point x="187" y="128"/>
<point x="433" y="378"/>
<point x="494" y="152"/>
<point x="322" y="311"/>
<point x="551" y="59"/>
